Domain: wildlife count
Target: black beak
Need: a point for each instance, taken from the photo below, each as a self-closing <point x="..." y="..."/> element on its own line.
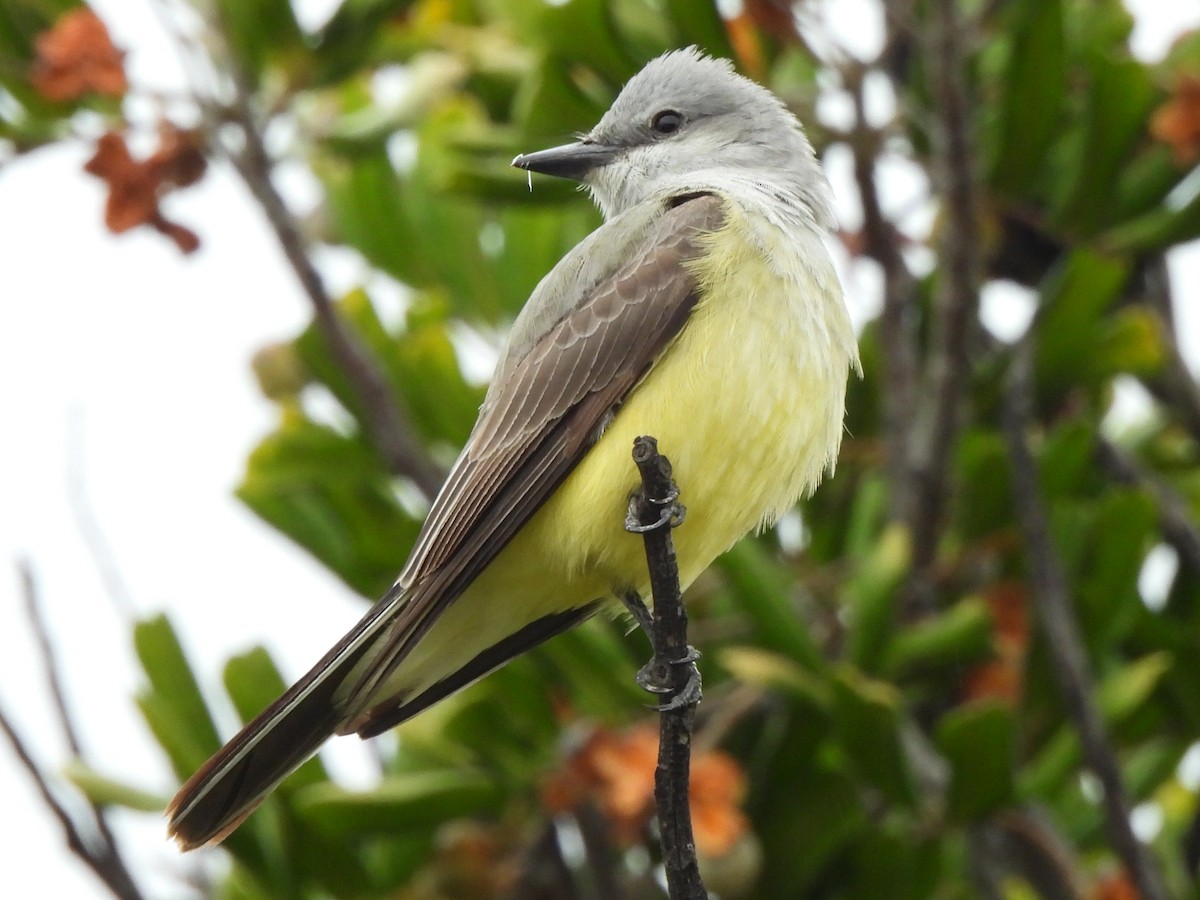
<point x="572" y="161"/>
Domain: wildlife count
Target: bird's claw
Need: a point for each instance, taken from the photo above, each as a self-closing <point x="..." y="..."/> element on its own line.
<point x="671" y="512"/>
<point x="655" y="677"/>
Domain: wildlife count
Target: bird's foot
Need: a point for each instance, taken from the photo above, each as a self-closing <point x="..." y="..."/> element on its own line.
<point x="657" y="677"/>
<point x="671" y="512"/>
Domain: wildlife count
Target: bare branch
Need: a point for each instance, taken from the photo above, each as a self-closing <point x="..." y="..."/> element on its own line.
<point x="49" y="657"/>
<point x="1052" y="603"/>
<point x="897" y="332"/>
<point x="93" y="535"/>
<point x="957" y="297"/>
<point x="391" y="434"/>
<point x="1176" y="387"/>
<point x="99" y="852"/>
<point x="1174" y="517"/>
<point x="653" y="511"/>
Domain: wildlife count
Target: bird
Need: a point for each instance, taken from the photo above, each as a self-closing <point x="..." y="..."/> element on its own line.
<point x="706" y="311"/>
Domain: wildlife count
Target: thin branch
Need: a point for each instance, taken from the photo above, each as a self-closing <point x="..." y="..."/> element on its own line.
<point x="45" y="647"/>
<point x="897" y="333"/>
<point x="1052" y="603"/>
<point x="1174" y="516"/>
<point x="543" y="873"/>
<point x="1176" y="387"/>
<point x="957" y="297"/>
<point x="94" y="538"/>
<point x="653" y="511"/>
<point x="390" y="432"/>
<point x="99" y="852"/>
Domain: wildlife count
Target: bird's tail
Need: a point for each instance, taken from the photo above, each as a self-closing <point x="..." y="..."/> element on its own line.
<point x="227" y="788"/>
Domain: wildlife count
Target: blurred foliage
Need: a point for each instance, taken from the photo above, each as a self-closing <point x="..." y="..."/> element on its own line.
<point x="878" y="743"/>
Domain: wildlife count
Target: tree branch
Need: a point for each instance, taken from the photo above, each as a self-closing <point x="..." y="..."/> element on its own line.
<point x="390" y="432"/>
<point x="99" y="852"/>
<point x="1174" y="518"/>
<point x="897" y="335"/>
<point x="1176" y="387"/>
<point x="957" y="297"/>
<point x="1052" y="603"/>
<point x="653" y="511"/>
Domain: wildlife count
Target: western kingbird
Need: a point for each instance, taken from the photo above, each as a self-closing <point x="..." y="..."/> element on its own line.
<point x="705" y="311"/>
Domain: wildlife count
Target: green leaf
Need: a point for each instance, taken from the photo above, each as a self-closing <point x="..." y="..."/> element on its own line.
<point x="414" y="804"/>
<point x="328" y="493"/>
<point x="700" y="24"/>
<point x="344" y="44"/>
<point x="1120" y="95"/>
<point x="1075" y="299"/>
<point x="1033" y="89"/>
<point x="753" y="665"/>
<point x="869" y="719"/>
<point x="893" y="862"/>
<point x="1176" y="220"/>
<point x="765" y="594"/>
<point x="104" y="791"/>
<point x="1131" y="342"/>
<point x="957" y="637"/>
<point x="978" y="741"/>
<point x="870" y="597"/>
<point x="805" y="822"/>
<point x="1123" y="692"/>
<point x="1121" y="532"/>
<point x="173" y="705"/>
<point x="259" y="30"/>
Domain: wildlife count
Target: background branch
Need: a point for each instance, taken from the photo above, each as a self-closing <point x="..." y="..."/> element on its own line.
<point x="99" y="851"/>
<point x="671" y="669"/>
<point x="1174" y="517"/>
<point x="390" y="432"/>
<point x="956" y="299"/>
<point x="1051" y="600"/>
<point x="897" y="333"/>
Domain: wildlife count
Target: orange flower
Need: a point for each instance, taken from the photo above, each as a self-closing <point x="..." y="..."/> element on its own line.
<point x="615" y="771"/>
<point x="1115" y="887"/>
<point x="1177" y="122"/>
<point x="77" y="57"/>
<point x="1001" y="678"/>
<point x="136" y="186"/>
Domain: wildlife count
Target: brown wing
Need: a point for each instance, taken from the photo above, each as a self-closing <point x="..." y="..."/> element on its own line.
<point x="535" y="428"/>
<point x="538" y="424"/>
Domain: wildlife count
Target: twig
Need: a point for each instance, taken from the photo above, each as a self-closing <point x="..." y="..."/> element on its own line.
<point x="390" y="432"/>
<point x="1174" y="517"/>
<point x="49" y="656"/>
<point x="543" y="872"/>
<point x="653" y="511"/>
<point x="1052" y="602"/>
<point x="957" y="295"/>
<point x="99" y="852"/>
<point x="897" y="334"/>
<point x="94" y="538"/>
<point x="1176" y="387"/>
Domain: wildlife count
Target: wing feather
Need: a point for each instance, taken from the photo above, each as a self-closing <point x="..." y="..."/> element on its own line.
<point x="538" y="424"/>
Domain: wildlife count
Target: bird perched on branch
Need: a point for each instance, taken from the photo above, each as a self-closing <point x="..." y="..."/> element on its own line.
<point x="704" y="311"/>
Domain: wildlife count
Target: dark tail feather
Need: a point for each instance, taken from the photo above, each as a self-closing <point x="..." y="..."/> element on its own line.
<point x="227" y="788"/>
<point x="383" y="716"/>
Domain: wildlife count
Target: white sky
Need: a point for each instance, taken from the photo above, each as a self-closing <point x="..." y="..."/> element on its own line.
<point x="128" y="364"/>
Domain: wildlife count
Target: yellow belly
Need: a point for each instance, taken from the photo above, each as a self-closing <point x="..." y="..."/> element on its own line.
<point x="747" y="404"/>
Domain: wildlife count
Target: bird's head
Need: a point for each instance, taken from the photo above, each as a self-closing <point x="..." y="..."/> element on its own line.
<point x="687" y="121"/>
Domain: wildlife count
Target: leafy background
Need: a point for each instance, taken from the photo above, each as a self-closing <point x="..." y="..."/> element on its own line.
<point x="885" y="707"/>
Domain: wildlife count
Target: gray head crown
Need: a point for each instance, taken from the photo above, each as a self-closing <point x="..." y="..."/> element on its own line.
<point x="687" y="120"/>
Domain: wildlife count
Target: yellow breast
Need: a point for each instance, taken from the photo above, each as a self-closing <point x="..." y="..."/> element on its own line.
<point x="747" y="404"/>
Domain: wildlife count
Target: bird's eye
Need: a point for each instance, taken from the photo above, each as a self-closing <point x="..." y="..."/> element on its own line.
<point x="666" y="122"/>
